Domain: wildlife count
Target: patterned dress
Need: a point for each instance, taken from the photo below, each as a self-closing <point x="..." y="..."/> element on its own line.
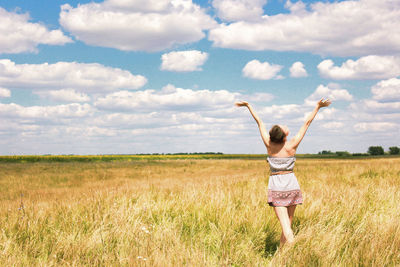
<point x="283" y="189"/>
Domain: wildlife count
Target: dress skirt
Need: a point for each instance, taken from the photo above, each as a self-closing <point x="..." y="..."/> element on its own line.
<point x="284" y="190"/>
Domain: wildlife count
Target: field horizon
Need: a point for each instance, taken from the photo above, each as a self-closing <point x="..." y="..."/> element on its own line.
<point x="173" y="156"/>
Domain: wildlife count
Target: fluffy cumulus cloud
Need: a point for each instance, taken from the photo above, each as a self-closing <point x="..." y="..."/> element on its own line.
<point x="183" y="119"/>
<point x="381" y="113"/>
<point x="235" y="10"/>
<point x="18" y="35"/>
<point x="369" y="67"/>
<point x="385" y="102"/>
<point x="261" y="70"/>
<point x="339" y="28"/>
<point x="136" y="25"/>
<point x="169" y="98"/>
<point x="89" y="131"/>
<point x="137" y="5"/>
<point x="373" y="107"/>
<point x="183" y="61"/>
<point x="64" y="95"/>
<point x="127" y="122"/>
<point x="333" y="125"/>
<point x="375" y="127"/>
<point x="45" y="112"/>
<point x="133" y="121"/>
<point x="297" y="70"/>
<point x="259" y="97"/>
<point x="92" y="77"/>
<point x="4" y="92"/>
<point x="296" y="113"/>
<point x="387" y="90"/>
<point x="287" y="111"/>
<point x="332" y="91"/>
<point x="330" y="113"/>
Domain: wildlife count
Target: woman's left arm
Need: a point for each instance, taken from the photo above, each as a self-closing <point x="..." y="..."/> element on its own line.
<point x="295" y="142"/>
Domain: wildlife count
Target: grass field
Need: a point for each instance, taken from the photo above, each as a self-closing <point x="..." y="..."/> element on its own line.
<point x="196" y="212"/>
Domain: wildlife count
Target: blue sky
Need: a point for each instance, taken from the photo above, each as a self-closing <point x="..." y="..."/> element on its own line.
<point x="160" y="76"/>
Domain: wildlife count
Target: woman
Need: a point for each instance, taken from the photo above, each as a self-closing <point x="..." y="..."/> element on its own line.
<point x="283" y="189"/>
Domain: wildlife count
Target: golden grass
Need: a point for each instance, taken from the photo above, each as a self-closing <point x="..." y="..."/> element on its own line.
<point x="196" y="213"/>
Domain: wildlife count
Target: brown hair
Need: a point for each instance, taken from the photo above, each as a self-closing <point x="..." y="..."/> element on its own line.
<point x="276" y="134"/>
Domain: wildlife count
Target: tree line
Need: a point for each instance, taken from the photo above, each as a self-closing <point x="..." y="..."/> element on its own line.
<point x="372" y="151"/>
<point x="378" y="150"/>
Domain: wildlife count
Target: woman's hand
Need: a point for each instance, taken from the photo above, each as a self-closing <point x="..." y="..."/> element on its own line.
<point x="323" y="103"/>
<point x="242" y="104"/>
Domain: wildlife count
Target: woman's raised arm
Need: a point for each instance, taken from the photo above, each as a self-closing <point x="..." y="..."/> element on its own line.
<point x="295" y="142"/>
<point x="261" y="127"/>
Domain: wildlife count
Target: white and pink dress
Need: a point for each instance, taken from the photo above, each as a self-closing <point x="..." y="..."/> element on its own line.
<point x="283" y="189"/>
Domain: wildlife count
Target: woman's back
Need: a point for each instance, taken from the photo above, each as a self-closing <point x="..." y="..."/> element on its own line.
<point x="281" y="150"/>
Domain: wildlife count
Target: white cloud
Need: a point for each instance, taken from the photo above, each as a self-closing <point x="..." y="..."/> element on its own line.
<point x="258" y="97"/>
<point x="14" y="127"/>
<point x="182" y="61"/>
<point x="387" y="90"/>
<point x="235" y="10"/>
<point x="369" y="67"/>
<point x="169" y="98"/>
<point x="45" y="112"/>
<point x="333" y="125"/>
<point x="136" y="25"/>
<point x="288" y="111"/>
<point x="80" y="76"/>
<point x="18" y="35"/>
<point x="296" y="113"/>
<point x="375" y="126"/>
<point x="384" y="107"/>
<point x="373" y="106"/>
<point x="137" y="5"/>
<point x="296" y="8"/>
<point x="325" y="114"/>
<point x="89" y="131"/>
<point x="4" y="92"/>
<point x="138" y="120"/>
<point x="179" y="120"/>
<point x="261" y="71"/>
<point x="297" y="70"/>
<point x="64" y="95"/>
<point x="158" y="119"/>
<point x="334" y="94"/>
<point x="339" y="28"/>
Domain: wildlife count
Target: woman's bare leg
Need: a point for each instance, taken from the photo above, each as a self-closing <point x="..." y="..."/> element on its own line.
<point x="291" y="210"/>
<point x="285" y="217"/>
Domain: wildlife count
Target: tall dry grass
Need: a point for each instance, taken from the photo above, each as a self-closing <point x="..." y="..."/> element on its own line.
<point x="196" y="213"/>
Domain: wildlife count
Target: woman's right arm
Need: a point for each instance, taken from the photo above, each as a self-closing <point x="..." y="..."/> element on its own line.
<point x="295" y="142"/>
<point x="261" y="127"/>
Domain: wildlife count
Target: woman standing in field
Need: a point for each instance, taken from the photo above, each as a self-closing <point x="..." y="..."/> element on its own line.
<point x="283" y="189"/>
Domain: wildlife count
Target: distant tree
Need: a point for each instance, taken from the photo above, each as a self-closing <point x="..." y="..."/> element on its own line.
<point x="342" y="153"/>
<point x="376" y="150"/>
<point x="325" y="152"/>
<point x="394" y="150"/>
<point x="360" y="154"/>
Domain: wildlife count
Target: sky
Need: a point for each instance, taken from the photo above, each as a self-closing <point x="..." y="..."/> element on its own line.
<point x="162" y="76"/>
